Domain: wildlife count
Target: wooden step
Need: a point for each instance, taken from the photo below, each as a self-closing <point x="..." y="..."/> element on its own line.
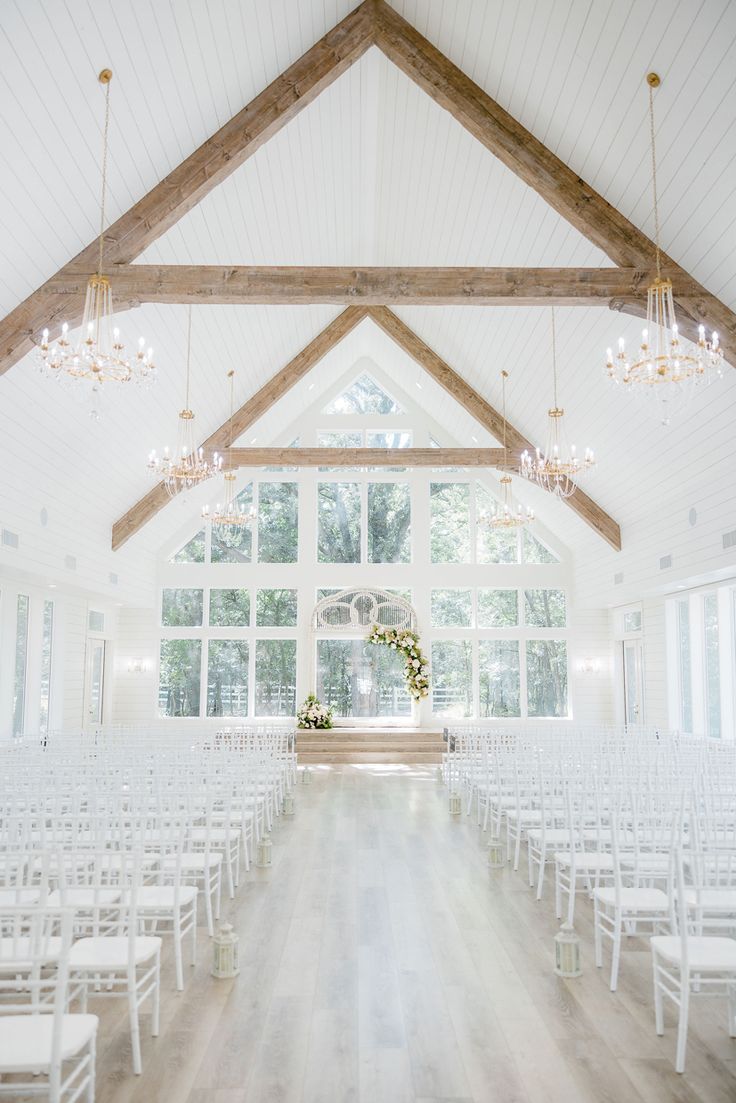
<point x="368" y="758"/>
<point x="385" y="746"/>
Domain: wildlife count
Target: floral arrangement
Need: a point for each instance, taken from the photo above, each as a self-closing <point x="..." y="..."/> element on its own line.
<point x="416" y="667"/>
<point x="313" y="714"/>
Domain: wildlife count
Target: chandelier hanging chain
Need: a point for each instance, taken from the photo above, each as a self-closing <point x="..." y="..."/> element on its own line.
<point x="231" y="517"/>
<point x="504" y="515"/>
<point x="654" y="82"/>
<point x="189" y="352"/>
<point x="554" y="361"/>
<point x="106" y="78"/>
<point x="504" y="376"/>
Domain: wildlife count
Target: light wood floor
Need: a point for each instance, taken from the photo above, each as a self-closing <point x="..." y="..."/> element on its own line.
<point x="382" y="962"/>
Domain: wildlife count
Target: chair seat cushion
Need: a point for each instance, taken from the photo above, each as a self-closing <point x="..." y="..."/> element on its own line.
<point x="17" y="897"/>
<point x="13" y="954"/>
<point x="192" y="861"/>
<point x="705" y="953"/>
<point x="163" y="896"/>
<point x="83" y="897"/>
<point x="644" y="900"/>
<point x="585" y="860"/>
<point x="713" y="900"/>
<point x="25" y="1040"/>
<point x="101" y="953"/>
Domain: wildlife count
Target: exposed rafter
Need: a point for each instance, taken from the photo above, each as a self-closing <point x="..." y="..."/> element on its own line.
<point x="485" y="414"/>
<point x="538" y="167"/>
<point x="197" y="175"/>
<point x="152" y="502"/>
<point x="365" y="457"/>
<point x="405" y="338"/>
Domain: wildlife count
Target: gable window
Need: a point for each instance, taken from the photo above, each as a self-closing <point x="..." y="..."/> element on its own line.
<point x="364" y="396"/>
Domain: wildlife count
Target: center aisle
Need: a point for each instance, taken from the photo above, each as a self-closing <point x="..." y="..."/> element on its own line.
<point x="383" y="962"/>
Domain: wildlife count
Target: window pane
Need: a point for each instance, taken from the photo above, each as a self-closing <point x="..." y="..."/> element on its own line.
<point x="361" y="679"/>
<point x="237" y="546"/>
<point x="276" y="608"/>
<point x="452" y="608"/>
<point x="498" y="608"/>
<point x="178" y="683"/>
<point x="452" y="678"/>
<point x="683" y="652"/>
<point x="397" y="439"/>
<point x="182" y="608"/>
<point x="545" y="608"/>
<point x="389" y="523"/>
<point x="338" y="538"/>
<point x="278" y="522"/>
<point x="229" y="608"/>
<point x="275" y="677"/>
<point x="21" y="664"/>
<point x="227" y="678"/>
<point x="546" y="677"/>
<point x="46" y="646"/>
<point x="364" y="396"/>
<point x="449" y="534"/>
<point x="493" y="545"/>
<point x="193" y="552"/>
<point x="535" y="551"/>
<point x="499" y="679"/>
<point x="632" y="621"/>
<point x="712" y="667"/>
<point x="340" y="440"/>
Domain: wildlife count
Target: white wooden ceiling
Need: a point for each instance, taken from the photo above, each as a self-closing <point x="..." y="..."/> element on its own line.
<point x="372" y="172"/>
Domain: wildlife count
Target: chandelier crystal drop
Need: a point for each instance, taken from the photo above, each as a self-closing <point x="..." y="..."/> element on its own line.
<point x="664" y="369"/>
<point x="187" y="466"/>
<point x="98" y="355"/>
<point x="503" y="514"/>
<point x="230" y="518"/>
<point x="558" y="468"/>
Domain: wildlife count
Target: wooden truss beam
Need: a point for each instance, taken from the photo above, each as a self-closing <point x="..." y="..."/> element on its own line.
<point x="538" y="167"/>
<point x="197" y="175"/>
<point x="151" y="503"/>
<point x="485" y="414"/>
<point x="365" y="457"/>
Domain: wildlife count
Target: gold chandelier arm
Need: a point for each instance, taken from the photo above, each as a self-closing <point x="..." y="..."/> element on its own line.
<point x="653" y="81"/>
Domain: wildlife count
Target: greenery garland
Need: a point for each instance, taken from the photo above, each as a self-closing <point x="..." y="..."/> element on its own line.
<point x="416" y="667"/>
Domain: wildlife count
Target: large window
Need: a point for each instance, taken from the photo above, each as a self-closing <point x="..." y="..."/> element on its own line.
<point x="275" y="677"/>
<point x="685" y="680"/>
<point x="546" y="677"/>
<point x="278" y="522"/>
<point x="345" y="510"/>
<point x="21" y="664"/>
<point x="701" y="654"/>
<point x="499" y="675"/>
<point x="182" y="608"/>
<point x="712" y="679"/>
<point x="179" y="677"/>
<point x="452" y="678"/>
<point x="361" y="680"/>
<point x="227" y="678"/>
<point x="339" y="529"/>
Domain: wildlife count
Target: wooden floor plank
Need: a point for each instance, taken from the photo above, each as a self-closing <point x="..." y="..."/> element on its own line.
<point x="383" y="962"/>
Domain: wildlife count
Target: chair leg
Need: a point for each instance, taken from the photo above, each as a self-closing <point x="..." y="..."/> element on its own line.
<point x="658" y="1002"/>
<point x="615" y="960"/>
<point x="135" y="1034"/>
<point x="227" y="858"/>
<point x="92" y="1069"/>
<point x="682" y="1023"/>
<point x="208" y="903"/>
<point x="218" y="891"/>
<point x="558" y="890"/>
<point x="156" y="1017"/>
<point x="542" y="864"/>
<point x="177" y="951"/>
<point x="597" y="938"/>
<point x="194" y="934"/>
<point x="731" y="1006"/>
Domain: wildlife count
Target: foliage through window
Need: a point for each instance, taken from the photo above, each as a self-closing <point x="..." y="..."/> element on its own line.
<point x="276" y="608"/>
<point x="499" y="679"/>
<point x="229" y="608"/>
<point x="179" y="676"/>
<point x="338" y="522"/>
<point x="452" y="608"/>
<point x="362" y="680"/>
<point x="545" y="608"/>
<point x="193" y="552"/>
<point x="364" y="396"/>
<point x="278" y="522"/>
<point x="275" y="678"/>
<point x="227" y="678"/>
<point x="389" y="523"/>
<point x="182" y="608"/>
<point x="452" y="678"/>
<point x="546" y="677"/>
<point x="449" y="534"/>
<point x="21" y="663"/>
<point x="498" y="608"/>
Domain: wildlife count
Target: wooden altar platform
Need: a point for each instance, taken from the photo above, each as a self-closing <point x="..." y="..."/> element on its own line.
<point x="411" y="746"/>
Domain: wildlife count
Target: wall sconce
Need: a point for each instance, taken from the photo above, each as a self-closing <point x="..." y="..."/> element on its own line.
<point x="138" y="666"/>
<point x="589" y="666"/>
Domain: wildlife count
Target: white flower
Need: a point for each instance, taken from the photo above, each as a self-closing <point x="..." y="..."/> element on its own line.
<point x="416" y="664"/>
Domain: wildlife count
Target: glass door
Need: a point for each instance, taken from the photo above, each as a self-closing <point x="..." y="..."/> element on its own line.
<point x="94" y="685"/>
<point x="633" y="663"/>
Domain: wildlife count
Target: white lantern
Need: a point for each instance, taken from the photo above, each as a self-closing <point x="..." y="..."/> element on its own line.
<point x="225" y="953"/>
<point x="496" y="858"/>
<point x="306" y="776"/>
<point x="263" y="852"/>
<point x="456" y="805"/>
<point x="287" y="804"/>
<point x="440" y="777"/>
<point x="567" y="952"/>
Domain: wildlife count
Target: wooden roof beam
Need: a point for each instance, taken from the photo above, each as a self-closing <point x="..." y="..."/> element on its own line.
<point x="485" y="414"/>
<point x="365" y="457"/>
<point x="538" y="167"/>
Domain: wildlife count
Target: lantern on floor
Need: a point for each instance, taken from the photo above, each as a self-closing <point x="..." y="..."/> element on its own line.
<point x="306" y="776"/>
<point x="496" y="859"/>
<point x="455" y="806"/>
<point x="263" y="852"/>
<point x="567" y="952"/>
<point x="287" y="804"/>
<point x="225" y="953"/>
<point x="440" y="776"/>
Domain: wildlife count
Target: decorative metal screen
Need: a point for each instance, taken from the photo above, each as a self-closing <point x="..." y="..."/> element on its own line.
<point x="354" y="609"/>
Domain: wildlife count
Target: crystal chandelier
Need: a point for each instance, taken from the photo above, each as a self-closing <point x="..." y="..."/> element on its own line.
<point x="98" y="356"/>
<point x="230" y="518"/>
<point x="663" y="368"/>
<point x="188" y="466"/>
<point x="558" y="467"/>
<point x="503" y="515"/>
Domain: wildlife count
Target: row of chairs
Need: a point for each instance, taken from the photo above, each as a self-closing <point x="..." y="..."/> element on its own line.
<point x="107" y="847"/>
<point x="640" y="822"/>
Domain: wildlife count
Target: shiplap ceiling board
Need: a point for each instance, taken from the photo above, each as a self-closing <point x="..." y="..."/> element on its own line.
<point x="372" y="172"/>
